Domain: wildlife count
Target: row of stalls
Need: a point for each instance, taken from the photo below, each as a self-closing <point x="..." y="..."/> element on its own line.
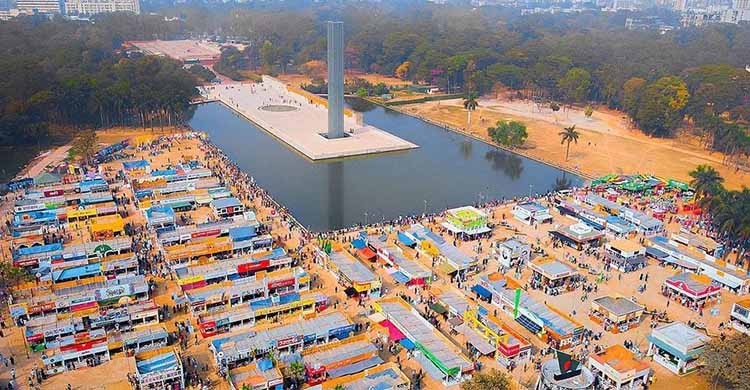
<point x="43" y="260"/>
<point x="240" y="348"/>
<point x="451" y="260"/>
<point x="68" y="297"/>
<point x="491" y="337"/>
<point x="339" y="358"/>
<point x="246" y="290"/>
<point x="191" y="276"/>
<point x="405" y="271"/>
<point x="383" y="376"/>
<point x="548" y="323"/>
<point x="357" y="279"/>
<point x="45" y="332"/>
<point x="440" y="359"/>
<point x="259" y="310"/>
<point x="158" y="369"/>
<point x="726" y="275"/>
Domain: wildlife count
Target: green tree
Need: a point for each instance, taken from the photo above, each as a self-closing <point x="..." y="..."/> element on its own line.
<point x="511" y="134"/>
<point x="510" y="76"/>
<point x="492" y="380"/>
<point x="202" y="73"/>
<point x="661" y="108"/>
<point x="588" y="111"/>
<point x="706" y="181"/>
<point x="575" y="85"/>
<point x="568" y="135"/>
<point x="632" y="92"/>
<point x="361" y="92"/>
<point x="470" y="104"/>
<point x="726" y="363"/>
<point x="84" y="146"/>
<point x="11" y="276"/>
<point x="297" y="371"/>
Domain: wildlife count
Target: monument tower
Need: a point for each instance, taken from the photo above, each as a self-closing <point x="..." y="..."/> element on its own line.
<point x="335" y="80"/>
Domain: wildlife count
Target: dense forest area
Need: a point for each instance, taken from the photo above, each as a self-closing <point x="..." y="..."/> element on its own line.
<point x="61" y="76"/>
<point x="71" y="73"/>
<point x="691" y="78"/>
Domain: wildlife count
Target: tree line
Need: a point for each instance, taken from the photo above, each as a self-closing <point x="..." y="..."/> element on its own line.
<point x="688" y="78"/>
<point x="729" y="211"/>
<point x="61" y="76"/>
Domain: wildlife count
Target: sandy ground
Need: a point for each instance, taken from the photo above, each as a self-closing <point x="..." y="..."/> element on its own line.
<point x="324" y="282"/>
<point x="608" y="144"/>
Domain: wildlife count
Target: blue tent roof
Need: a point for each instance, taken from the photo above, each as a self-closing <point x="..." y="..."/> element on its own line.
<point x="163" y="172"/>
<point x="157" y="363"/>
<point x="483" y="292"/>
<point x="265" y="364"/>
<point x="225" y="202"/>
<point x="242" y="233"/>
<point x="400" y="277"/>
<point x="288" y="298"/>
<point x="40" y="249"/>
<point x="406" y="343"/>
<point x="159" y="211"/>
<point x="405" y="239"/>
<point x="130" y="165"/>
<point x="76" y="272"/>
<point x="358" y="243"/>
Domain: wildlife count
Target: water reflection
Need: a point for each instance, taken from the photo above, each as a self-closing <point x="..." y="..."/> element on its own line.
<point x="335" y="193"/>
<point x="447" y="170"/>
<point x="510" y="164"/>
<point x="466" y="147"/>
<point x="360" y="105"/>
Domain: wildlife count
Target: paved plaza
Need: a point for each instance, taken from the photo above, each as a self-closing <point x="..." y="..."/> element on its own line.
<point x="181" y="50"/>
<point x="299" y="121"/>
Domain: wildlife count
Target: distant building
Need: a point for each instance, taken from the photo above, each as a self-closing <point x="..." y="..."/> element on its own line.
<point x="32" y="7"/>
<point x="735" y="15"/>
<point x="93" y="7"/>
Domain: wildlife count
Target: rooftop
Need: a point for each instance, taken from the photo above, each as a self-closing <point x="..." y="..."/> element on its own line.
<point x="352" y="268"/>
<point x="680" y="336"/>
<point x="552" y="267"/>
<point x="467" y="213"/>
<point x="619" y="306"/>
<point x="620" y="359"/>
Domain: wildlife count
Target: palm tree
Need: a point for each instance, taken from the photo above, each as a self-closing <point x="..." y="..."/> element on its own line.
<point x="339" y="387"/>
<point x="569" y="134"/>
<point x="470" y="104"/>
<point x="706" y="181"/>
<point x="297" y="371"/>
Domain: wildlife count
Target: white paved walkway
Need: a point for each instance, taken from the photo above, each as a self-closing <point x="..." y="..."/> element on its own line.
<point x="301" y="126"/>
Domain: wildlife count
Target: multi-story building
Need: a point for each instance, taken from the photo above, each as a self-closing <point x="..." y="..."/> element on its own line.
<point x="92" y="7"/>
<point x="39" y="6"/>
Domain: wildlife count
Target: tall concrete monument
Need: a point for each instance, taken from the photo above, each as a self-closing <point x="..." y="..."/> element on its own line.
<point x="335" y="80"/>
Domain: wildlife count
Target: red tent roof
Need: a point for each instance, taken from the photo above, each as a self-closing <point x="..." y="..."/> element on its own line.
<point x="393" y="332"/>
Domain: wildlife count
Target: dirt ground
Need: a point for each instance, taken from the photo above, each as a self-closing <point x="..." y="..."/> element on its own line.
<point x="544" y="135"/>
<point x="608" y="144"/>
